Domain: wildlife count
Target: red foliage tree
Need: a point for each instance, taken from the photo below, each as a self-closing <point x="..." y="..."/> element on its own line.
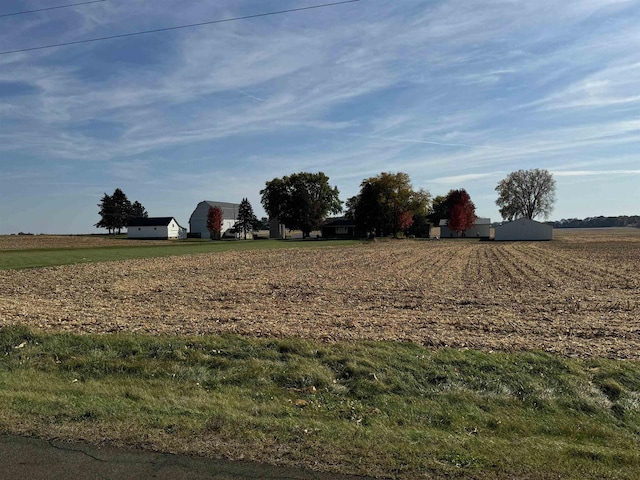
<point x="462" y="215"/>
<point x="214" y="222"/>
<point x="405" y="220"/>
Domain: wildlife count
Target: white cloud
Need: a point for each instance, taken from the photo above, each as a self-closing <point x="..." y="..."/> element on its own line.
<point x="589" y="173"/>
<point x="448" y="90"/>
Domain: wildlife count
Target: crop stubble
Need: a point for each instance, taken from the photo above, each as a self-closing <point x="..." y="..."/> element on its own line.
<point x="572" y="296"/>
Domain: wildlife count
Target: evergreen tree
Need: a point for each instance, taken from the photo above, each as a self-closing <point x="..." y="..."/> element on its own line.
<point x="247" y="221"/>
<point x="107" y="214"/>
<point x="122" y="209"/>
<point x="116" y="211"/>
<point x="138" y="211"/>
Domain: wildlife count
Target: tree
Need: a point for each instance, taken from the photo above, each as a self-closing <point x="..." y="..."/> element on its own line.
<point x="247" y="221"/>
<point x="387" y="204"/>
<point x="301" y="201"/>
<point x="138" y="211"/>
<point x="122" y="209"/>
<point x="526" y="193"/>
<point x="214" y="222"/>
<point x="440" y="209"/>
<point x="107" y="214"/>
<point x="116" y="211"/>
<point x="462" y="214"/>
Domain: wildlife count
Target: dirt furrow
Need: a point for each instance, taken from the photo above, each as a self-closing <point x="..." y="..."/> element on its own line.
<point x="459" y="293"/>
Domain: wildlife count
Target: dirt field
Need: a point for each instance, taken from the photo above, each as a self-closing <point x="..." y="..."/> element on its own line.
<point x="578" y="295"/>
<point x="28" y="242"/>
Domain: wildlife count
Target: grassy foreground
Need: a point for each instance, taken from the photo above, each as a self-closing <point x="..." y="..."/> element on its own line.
<point x="381" y="409"/>
<point x="49" y="257"/>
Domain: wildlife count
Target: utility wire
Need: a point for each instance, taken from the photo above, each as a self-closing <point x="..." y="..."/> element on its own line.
<point x="123" y="35"/>
<point x="50" y="8"/>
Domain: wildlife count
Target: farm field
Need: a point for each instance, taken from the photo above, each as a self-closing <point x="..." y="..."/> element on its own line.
<point x="578" y="295"/>
<point x="122" y="249"/>
<point x="33" y="242"/>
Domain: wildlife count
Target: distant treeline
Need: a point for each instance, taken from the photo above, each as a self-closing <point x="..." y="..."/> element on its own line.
<point x="596" y="222"/>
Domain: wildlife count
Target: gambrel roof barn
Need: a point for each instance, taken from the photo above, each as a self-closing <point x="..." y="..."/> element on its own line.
<point x="198" y="219"/>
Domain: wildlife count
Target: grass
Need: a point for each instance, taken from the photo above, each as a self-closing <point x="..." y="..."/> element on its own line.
<point x="386" y="409"/>
<point x="48" y="257"/>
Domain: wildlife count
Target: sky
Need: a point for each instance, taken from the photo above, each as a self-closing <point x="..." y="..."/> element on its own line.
<point x="455" y="93"/>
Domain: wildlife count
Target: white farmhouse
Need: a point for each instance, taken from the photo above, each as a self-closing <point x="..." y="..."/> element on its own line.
<point x="163" y="228"/>
<point x="482" y="229"/>
<point x="523" y="229"/>
<point x="198" y="219"/>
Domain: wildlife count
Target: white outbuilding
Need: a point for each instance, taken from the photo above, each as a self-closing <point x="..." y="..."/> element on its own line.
<point x="198" y="219"/>
<point x="523" y="229"/>
<point x="481" y="229"/>
<point x="161" y="228"/>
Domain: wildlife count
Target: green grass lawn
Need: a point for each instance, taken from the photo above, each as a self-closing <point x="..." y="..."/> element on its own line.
<point x="19" y="259"/>
<point x="388" y="409"/>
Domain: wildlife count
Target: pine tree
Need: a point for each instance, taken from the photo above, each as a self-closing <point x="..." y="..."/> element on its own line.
<point x="247" y="221"/>
<point x="107" y="213"/>
<point x="138" y="211"/>
<point x="116" y="211"/>
<point x="122" y="209"/>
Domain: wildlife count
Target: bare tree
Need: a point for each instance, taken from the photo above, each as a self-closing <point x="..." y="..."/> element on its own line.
<point x="526" y="194"/>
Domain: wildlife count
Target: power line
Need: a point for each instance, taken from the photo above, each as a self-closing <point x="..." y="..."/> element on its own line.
<point x="123" y="35"/>
<point x="49" y="8"/>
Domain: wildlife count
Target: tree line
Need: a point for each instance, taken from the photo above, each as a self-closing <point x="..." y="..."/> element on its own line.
<point x="386" y="205"/>
<point x="598" y="222"/>
<point x="116" y="211"/>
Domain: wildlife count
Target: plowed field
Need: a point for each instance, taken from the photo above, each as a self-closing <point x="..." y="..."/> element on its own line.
<point x="29" y="242"/>
<point x="578" y="295"/>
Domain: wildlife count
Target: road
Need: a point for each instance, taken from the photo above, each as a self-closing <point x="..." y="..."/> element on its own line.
<point x="36" y="459"/>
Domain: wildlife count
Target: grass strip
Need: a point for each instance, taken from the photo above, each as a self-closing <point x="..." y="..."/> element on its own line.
<point x="21" y="259"/>
<point x="382" y="409"/>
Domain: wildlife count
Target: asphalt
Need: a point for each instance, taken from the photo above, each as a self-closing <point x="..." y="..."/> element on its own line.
<point x="35" y="459"/>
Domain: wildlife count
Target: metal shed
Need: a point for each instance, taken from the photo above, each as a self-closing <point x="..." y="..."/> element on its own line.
<point x="523" y="229"/>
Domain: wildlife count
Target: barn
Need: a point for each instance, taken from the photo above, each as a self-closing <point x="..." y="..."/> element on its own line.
<point x="482" y="229"/>
<point x="162" y="228"/>
<point x="523" y="229"/>
<point x="198" y="219"/>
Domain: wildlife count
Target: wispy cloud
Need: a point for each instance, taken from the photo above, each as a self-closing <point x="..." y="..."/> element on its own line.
<point x="452" y="90"/>
<point x="589" y="173"/>
<point x="461" y="179"/>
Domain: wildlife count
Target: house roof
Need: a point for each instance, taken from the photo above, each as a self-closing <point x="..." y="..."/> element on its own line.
<point x="150" y="221"/>
<point x="339" y="222"/>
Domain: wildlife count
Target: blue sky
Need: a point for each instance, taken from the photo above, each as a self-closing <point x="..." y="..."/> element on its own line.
<point x="455" y="93"/>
